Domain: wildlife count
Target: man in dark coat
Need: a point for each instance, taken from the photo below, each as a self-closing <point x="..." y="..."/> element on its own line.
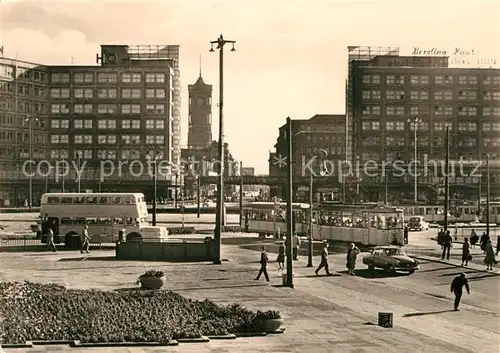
<point x="447" y="242"/>
<point x="406" y="230"/>
<point x="263" y="265"/>
<point x="457" y="288"/>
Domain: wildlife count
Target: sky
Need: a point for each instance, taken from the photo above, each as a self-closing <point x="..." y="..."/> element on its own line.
<point x="290" y="59"/>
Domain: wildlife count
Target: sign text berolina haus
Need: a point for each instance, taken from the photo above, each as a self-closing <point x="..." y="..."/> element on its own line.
<point x="440" y="52"/>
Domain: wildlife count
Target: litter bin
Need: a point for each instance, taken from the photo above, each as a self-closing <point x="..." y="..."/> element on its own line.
<point x="385" y="320"/>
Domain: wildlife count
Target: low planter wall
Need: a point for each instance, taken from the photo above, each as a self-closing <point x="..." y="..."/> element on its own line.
<point x="174" y="251"/>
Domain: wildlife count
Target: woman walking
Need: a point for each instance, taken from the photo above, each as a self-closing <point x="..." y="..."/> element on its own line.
<point x="352" y="254"/>
<point x="281" y="257"/>
<point x="465" y="252"/>
<point x="489" y="259"/>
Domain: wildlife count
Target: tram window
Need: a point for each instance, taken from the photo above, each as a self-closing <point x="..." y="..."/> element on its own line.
<point x="103" y="200"/>
<point x="104" y="221"/>
<point x="116" y="200"/>
<point x="66" y="200"/>
<point x="128" y="200"/>
<point x="78" y="200"/>
<point x="52" y="200"/>
<point x="66" y="220"/>
<point x="91" y="200"/>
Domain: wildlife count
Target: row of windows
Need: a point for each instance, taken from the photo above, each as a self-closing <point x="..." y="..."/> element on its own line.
<point x="392" y="141"/>
<point x="22" y="89"/>
<point x="107" y="77"/>
<point x="424" y="95"/>
<point x="107" y="93"/>
<point x="424" y="126"/>
<point x="104" y="124"/>
<point x="107" y="139"/>
<point x="21" y="121"/>
<point x="101" y="154"/>
<point x="152" y="109"/>
<point x="22" y="106"/>
<point x="438" y="110"/>
<point x="326" y="138"/>
<point x="103" y="200"/>
<point x="23" y="73"/>
<point x="22" y="137"/>
<point x="425" y="79"/>
<point x="330" y="149"/>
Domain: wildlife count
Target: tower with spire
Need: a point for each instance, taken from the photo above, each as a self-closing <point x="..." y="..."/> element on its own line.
<point x="200" y="114"/>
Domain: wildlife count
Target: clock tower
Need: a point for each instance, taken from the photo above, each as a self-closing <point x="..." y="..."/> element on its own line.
<point x="200" y="114"/>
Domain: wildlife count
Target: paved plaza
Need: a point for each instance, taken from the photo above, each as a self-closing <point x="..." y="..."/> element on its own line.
<point x="321" y="314"/>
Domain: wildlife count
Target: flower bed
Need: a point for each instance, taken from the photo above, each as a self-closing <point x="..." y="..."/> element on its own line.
<point x="40" y="312"/>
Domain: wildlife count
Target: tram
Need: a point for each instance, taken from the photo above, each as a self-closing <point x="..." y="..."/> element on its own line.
<point x="459" y="213"/>
<point x="269" y="218"/>
<point x="368" y="224"/>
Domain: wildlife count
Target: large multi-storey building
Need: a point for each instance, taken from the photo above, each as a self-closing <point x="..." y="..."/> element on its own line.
<point x="104" y="117"/>
<point x="318" y="148"/>
<point x="387" y="93"/>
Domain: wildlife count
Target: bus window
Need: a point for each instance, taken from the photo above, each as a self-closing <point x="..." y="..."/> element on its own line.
<point x="130" y="221"/>
<point x="66" y="200"/>
<point x="128" y="200"/>
<point x="66" y="220"/>
<point x="79" y="221"/>
<point x="92" y="221"/>
<point x="104" y="221"/>
<point x="103" y="200"/>
<point x="53" y="200"/>
<point x="91" y="200"/>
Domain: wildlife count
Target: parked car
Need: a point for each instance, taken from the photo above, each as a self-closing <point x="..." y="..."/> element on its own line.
<point x="390" y="258"/>
<point x="417" y="223"/>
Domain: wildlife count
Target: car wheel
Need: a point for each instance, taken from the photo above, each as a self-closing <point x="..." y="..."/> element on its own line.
<point x="412" y="272"/>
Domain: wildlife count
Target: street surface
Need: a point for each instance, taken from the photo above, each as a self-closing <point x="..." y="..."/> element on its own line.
<point x="321" y="314"/>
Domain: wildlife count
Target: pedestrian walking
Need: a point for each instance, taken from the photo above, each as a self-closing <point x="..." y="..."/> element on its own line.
<point x="474" y="238"/>
<point x="447" y="244"/>
<point x="296" y="246"/>
<point x="466" y="252"/>
<point x="281" y="257"/>
<point x="498" y="244"/>
<point x="352" y="254"/>
<point x="484" y="240"/>
<point x="50" y="241"/>
<point x="457" y="288"/>
<point x="85" y="239"/>
<point x="263" y="265"/>
<point x="489" y="259"/>
<point x="324" y="261"/>
<point x="406" y="231"/>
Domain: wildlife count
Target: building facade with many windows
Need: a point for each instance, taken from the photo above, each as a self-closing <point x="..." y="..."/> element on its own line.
<point x="393" y="95"/>
<point x="108" y="116"/>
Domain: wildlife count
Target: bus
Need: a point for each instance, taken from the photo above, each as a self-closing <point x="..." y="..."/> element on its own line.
<point x="368" y="224"/>
<point x="269" y="218"/>
<point x="105" y="214"/>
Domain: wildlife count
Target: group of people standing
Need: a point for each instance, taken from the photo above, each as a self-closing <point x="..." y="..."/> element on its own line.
<point x="351" y="258"/>
<point x="446" y="242"/>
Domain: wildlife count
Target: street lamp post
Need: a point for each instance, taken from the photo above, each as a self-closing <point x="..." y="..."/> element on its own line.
<point x="30" y="119"/>
<point x="289" y="210"/>
<point x="79" y="156"/>
<point x="220" y="42"/>
<point x="241" y="193"/>
<point x="310" y="245"/>
<point x="415" y="121"/>
<point x="488" y="195"/>
<point x="175" y="190"/>
<point x="154" y="158"/>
